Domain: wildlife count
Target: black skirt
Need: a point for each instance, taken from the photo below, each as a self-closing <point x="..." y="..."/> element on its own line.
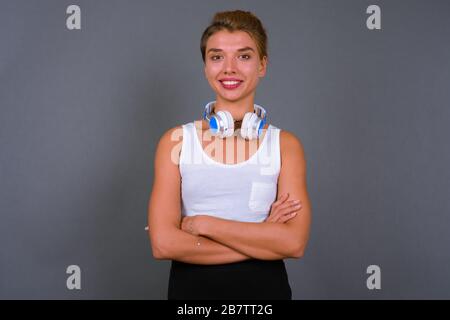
<point x="249" y="279"/>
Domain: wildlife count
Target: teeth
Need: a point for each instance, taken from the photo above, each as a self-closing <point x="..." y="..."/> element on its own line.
<point x="230" y="83"/>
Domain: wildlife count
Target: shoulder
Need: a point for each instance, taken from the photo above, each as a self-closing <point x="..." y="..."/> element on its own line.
<point x="291" y="146"/>
<point x="290" y="140"/>
<point x="171" y="136"/>
<point x="169" y="145"/>
<point x="175" y="134"/>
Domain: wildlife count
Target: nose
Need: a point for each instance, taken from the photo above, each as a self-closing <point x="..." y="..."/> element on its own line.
<point x="229" y="66"/>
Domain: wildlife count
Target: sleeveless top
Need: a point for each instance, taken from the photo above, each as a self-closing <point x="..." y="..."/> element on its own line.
<point x="243" y="192"/>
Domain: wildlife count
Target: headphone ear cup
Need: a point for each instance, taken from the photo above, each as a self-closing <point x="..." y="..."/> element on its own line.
<point x="213" y="125"/>
<point x="249" y="125"/>
<point x="260" y="127"/>
<point x="244" y="125"/>
<point x="228" y="124"/>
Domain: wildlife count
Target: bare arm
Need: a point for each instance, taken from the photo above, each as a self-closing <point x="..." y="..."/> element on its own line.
<point x="264" y="240"/>
<point x="167" y="239"/>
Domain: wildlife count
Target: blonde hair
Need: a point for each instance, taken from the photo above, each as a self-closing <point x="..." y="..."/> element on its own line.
<point x="237" y="20"/>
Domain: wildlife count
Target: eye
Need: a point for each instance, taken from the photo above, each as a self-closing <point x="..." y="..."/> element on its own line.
<point x="246" y="55"/>
<point x="213" y="57"/>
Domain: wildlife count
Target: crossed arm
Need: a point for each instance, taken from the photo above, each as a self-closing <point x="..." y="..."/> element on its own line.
<point x="218" y="240"/>
<point x="265" y="240"/>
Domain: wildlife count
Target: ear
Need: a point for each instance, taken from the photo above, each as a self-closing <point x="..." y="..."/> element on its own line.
<point x="263" y="67"/>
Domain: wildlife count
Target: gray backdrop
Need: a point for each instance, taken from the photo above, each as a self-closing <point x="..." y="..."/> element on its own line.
<point x="82" y="111"/>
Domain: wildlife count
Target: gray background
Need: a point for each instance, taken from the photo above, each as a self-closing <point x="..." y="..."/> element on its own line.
<point x="81" y="113"/>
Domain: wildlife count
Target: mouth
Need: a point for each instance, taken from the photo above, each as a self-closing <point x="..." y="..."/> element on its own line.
<point x="230" y="84"/>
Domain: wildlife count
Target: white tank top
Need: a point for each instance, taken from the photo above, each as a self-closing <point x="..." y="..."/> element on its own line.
<point x="243" y="191"/>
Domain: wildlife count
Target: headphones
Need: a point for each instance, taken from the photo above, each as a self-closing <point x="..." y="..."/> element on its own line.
<point x="222" y="123"/>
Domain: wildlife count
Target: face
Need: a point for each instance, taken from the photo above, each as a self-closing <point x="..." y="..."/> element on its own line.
<point x="233" y="56"/>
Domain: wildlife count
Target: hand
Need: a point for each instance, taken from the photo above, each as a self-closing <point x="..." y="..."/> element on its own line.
<point x="191" y="224"/>
<point x="283" y="210"/>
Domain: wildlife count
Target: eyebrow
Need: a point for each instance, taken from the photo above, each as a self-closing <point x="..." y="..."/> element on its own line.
<point x="239" y="50"/>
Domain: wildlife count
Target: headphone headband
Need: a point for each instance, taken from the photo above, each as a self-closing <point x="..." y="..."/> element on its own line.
<point x="260" y="111"/>
<point x="223" y="124"/>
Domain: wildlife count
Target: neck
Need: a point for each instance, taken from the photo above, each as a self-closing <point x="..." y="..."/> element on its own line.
<point x="238" y="109"/>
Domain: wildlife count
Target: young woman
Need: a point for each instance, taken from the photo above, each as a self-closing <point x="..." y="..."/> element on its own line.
<point x="229" y="202"/>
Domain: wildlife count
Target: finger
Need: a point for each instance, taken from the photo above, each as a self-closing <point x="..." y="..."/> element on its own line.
<point x="288" y="204"/>
<point x="184" y="223"/>
<point x="272" y="218"/>
<point x="291" y="208"/>
<point x="282" y="212"/>
<point x="269" y="218"/>
<point x="287" y="217"/>
<point x="282" y="216"/>
<point x="288" y="207"/>
<point x="282" y="199"/>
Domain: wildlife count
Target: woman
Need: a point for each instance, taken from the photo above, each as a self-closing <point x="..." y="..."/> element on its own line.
<point x="216" y="218"/>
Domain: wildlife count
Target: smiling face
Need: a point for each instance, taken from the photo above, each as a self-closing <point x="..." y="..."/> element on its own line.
<point x="233" y="66"/>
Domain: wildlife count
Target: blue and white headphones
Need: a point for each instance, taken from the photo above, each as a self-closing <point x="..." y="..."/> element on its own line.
<point x="222" y="123"/>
